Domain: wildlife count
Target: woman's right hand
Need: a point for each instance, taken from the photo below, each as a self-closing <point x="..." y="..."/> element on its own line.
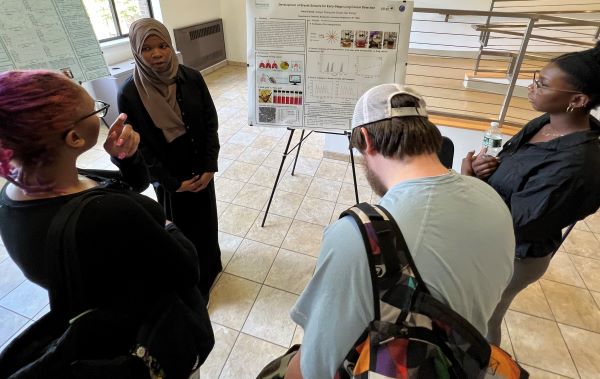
<point x="191" y="185"/>
<point x="484" y="165"/>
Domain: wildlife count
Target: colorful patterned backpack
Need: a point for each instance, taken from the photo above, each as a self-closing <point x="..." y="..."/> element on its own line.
<point x="414" y="335"/>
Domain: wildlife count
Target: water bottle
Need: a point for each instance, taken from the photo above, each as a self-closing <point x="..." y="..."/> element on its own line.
<point x="492" y="139"/>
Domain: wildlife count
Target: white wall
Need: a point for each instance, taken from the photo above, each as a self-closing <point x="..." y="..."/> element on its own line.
<point x="174" y="14"/>
<point x="233" y="13"/>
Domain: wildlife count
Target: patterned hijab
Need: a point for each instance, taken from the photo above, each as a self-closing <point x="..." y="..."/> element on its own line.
<point x="157" y="90"/>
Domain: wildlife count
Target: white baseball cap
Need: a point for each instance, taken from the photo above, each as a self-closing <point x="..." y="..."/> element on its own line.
<point x="375" y="104"/>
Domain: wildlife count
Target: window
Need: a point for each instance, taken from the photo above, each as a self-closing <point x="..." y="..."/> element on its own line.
<point x="111" y="18"/>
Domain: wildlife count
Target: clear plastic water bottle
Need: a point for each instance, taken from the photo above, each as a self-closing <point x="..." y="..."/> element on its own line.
<point x="492" y="139"/>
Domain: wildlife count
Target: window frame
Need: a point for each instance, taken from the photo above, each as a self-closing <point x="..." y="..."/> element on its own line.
<point x="113" y="11"/>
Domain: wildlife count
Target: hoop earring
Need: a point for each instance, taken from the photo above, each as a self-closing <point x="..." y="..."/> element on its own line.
<point x="570" y="108"/>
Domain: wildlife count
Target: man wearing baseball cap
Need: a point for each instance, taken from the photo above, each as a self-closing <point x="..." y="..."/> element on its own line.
<point x="458" y="230"/>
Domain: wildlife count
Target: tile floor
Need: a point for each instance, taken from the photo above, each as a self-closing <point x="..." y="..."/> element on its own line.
<point x="553" y="328"/>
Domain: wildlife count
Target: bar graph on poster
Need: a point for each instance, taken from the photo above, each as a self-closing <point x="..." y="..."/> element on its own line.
<point x="50" y="34"/>
<point x="310" y="61"/>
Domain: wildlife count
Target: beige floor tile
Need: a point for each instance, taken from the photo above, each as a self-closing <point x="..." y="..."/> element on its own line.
<point x="226" y="189"/>
<point x="252" y="260"/>
<point x="264" y="176"/>
<point x="306" y="166"/>
<point x="572" y="306"/>
<point x="231" y="150"/>
<point x="375" y="198"/>
<point x="596" y="296"/>
<point x="298" y="335"/>
<point x="240" y="171"/>
<point x="237" y="220"/>
<point x="224" y="340"/>
<point x="270" y="319"/>
<point x="252" y="196"/>
<point x="337" y="211"/>
<point x="11" y="275"/>
<point x="273" y="132"/>
<point x="562" y="270"/>
<point x="593" y="222"/>
<point x="581" y="225"/>
<point x="361" y="178"/>
<point x="221" y="206"/>
<point x="315" y="211"/>
<point x="253" y="155"/>
<point x="224" y="163"/>
<point x="274" y="231"/>
<point x="324" y="189"/>
<point x="589" y="269"/>
<point x="3" y="253"/>
<point x="11" y="323"/>
<point x="538" y="342"/>
<point x="296" y="184"/>
<point x="26" y="300"/>
<point x="304" y="237"/>
<point x="242" y="138"/>
<point x="536" y="373"/>
<point x="273" y="160"/>
<point x="582" y="243"/>
<point x="285" y="203"/>
<point x="348" y="196"/>
<point x="331" y="170"/>
<point x="231" y="299"/>
<point x="249" y="356"/>
<point x="228" y="244"/>
<point x="506" y="343"/>
<point x="291" y="271"/>
<point x="585" y="350"/>
<point x="532" y="302"/>
<point x="265" y="142"/>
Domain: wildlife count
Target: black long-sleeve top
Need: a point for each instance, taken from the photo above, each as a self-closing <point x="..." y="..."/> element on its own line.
<point x="127" y="255"/>
<point x="548" y="185"/>
<point x="201" y="123"/>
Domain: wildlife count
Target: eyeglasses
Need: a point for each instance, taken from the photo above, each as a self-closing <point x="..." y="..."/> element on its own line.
<point x="100" y="110"/>
<point x="537" y="84"/>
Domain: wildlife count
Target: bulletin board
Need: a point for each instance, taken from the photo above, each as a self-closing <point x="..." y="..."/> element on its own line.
<point x="50" y="34"/>
<point x="310" y="61"/>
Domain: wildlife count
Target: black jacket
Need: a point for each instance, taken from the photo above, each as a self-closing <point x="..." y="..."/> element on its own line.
<point x="548" y="185"/>
<point x="200" y="119"/>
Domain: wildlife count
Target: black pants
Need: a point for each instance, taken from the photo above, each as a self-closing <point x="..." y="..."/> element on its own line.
<point x="195" y="214"/>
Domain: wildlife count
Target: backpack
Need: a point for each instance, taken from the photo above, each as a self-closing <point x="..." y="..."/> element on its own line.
<point x="413" y="335"/>
<point x="171" y="340"/>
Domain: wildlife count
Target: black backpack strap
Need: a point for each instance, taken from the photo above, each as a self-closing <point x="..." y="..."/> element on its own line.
<point x="67" y="290"/>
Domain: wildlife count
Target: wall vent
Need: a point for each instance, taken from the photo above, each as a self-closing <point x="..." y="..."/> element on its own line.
<point x="201" y="45"/>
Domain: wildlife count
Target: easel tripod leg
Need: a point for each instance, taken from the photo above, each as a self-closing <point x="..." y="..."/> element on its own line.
<point x="284" y="155"/>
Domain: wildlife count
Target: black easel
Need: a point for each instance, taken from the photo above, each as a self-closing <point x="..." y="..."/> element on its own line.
<point x="288" y="151"/>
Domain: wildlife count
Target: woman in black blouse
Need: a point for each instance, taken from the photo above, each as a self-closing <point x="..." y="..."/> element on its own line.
<point x="170" y="106"/>
<point x="128" y="254"/>
<point x="548" y="173"/>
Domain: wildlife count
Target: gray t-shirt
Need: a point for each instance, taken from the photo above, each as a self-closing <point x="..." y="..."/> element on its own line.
<point x="459" y="232"/>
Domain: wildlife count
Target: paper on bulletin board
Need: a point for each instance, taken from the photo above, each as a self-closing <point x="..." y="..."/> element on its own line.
<point x="50" y="34"/>
<point x="310" y="61"/>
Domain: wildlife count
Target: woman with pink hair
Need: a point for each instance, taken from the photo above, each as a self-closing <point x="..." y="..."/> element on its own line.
<point x="127" y="253"/>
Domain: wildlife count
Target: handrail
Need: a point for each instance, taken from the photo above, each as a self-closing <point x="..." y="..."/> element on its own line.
<point x="526" y="15"/>
<point x="542" y="38"/>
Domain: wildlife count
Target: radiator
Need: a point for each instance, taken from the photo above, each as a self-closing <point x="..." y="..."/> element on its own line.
<point x="201" y="45"/>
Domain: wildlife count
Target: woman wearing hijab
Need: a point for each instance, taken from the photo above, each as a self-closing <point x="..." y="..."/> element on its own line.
<point x="172" y="110"/>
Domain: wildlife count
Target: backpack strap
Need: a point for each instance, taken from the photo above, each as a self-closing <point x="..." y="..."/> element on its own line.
<point x="67" y="289"/>
<point x="389" y="259"/>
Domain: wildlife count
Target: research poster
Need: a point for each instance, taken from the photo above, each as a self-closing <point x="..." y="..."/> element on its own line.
<point x="50" y="34"/>
<point x="310" y="61"/>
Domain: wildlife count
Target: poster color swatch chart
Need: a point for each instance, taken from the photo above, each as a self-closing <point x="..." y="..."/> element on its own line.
<point x="310" y="61"/>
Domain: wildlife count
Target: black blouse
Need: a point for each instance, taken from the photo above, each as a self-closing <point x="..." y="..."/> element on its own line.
<point x="201" y="123"/>
<point x="548" y="185"/>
